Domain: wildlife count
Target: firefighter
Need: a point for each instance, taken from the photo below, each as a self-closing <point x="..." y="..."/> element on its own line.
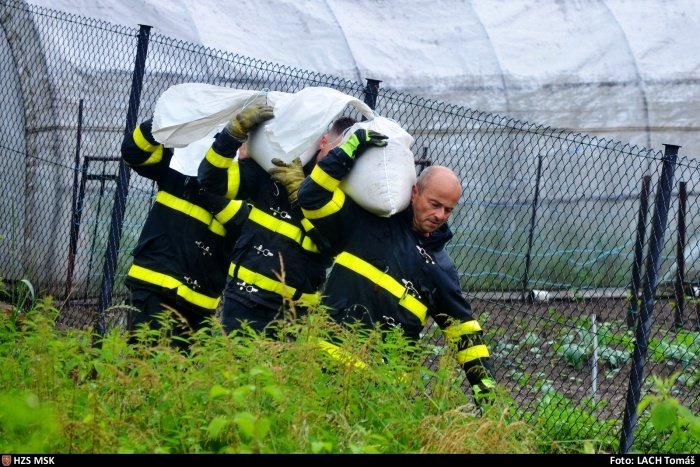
<point x="393" y="272"/>
<point x="277" y="264"/>
<point x="182" y="255"/>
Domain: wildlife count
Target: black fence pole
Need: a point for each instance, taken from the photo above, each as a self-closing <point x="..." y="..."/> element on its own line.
<point x="424" y="161"/>
<point x="662" y="202"/>
<point x="122" y="188"/>
<point x="74" y="226"/>
<point x="530" y="237"/>
<point x="371" y="92"/>
<point x="633" y="311"/>
<point x="680" y="257"/>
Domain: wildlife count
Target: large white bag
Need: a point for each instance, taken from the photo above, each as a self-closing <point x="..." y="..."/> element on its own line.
<point x="300" y="120"/>
<point x="187" y="116"/>
<point x="381" y="179"/>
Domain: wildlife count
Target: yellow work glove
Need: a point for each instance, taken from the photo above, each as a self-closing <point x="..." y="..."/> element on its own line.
<point x="361" y="140"/>
<point x="289" y="175"/>
<point x="247" y="119"/>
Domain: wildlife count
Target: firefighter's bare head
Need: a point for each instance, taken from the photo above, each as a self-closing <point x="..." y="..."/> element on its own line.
<point x="433" y="198"/>
<point x="334" y="136"/>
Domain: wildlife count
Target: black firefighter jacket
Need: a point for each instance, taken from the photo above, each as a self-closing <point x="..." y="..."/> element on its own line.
<point x="276" y="240"/>
<point x="386" y="274"/>
<point x="185" y="245"/>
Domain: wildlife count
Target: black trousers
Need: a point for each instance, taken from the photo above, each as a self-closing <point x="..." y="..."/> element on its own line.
<point x="149" y="304"/>
<point x="263" y="319"/>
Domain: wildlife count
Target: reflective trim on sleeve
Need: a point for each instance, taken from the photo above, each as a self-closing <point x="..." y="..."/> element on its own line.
<point x="472" y="353"/>
<point x="329" y="208"/>
<point x="385" y="281"/>
<point x="324" y="180"/>
<point x="217" y="160"/>
<point x="143" y="144"/>
<point x="192" y="210"/>
<point x="307" y="225"/>
<point x="233" y="181"/>
<point x="457" y="330"/>
<point x="271" y="285"/>
<point x="229" y="211"/>
<point x="163" y="280"/>
<point x="281" y="227"/>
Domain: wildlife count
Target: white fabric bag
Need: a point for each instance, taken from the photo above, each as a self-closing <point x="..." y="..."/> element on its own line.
<point x="381" y="179"/>
<point x="187" y="116"/>
<point x="300" y="121"/>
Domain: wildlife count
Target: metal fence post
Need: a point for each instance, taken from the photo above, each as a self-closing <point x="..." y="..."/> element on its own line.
<point x="122" y="188"/>
<point x="530" y="237"/>
<point x="371" y="91"/>
<point x="680" y="257"/>
<point x="73" y="243"/>
<point x="632" y="312"/>
<point x="662" y="202"/>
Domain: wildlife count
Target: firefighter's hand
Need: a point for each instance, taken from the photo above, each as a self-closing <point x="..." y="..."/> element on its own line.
<point x="362" y="140"/>
<point x="289" y="175"/>
<point x="247" y="119"/>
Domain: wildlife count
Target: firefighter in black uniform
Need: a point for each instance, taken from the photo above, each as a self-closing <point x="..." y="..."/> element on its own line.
<point x="184" y="249"/>
<point x="276" y="265"/>
<point x="394" y="272"/>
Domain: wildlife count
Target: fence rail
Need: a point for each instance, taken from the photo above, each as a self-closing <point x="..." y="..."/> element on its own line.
<point x="550" y="234"/>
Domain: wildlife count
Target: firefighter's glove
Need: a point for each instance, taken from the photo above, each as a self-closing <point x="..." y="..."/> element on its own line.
<point x="247" y="119"/>
<point x="362" y="140"/>
<point x="484" y="392"/>
<point x="289" y="175"/>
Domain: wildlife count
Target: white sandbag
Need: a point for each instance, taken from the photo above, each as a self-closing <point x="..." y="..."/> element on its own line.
<point x="381" y="179"/>
<point x="188" y="115"/>
<point x="300" y="120"/>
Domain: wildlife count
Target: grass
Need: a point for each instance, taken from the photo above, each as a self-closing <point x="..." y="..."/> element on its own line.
<point x="71" y="391"/>
<point x="68" y="392"/>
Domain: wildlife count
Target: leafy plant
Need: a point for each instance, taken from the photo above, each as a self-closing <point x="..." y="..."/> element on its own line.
<point x="673" y="423"/>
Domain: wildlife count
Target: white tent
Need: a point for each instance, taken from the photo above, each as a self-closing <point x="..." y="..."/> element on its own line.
<point x="627" y="70"/>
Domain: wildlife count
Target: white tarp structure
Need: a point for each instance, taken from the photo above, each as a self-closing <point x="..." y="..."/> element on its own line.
<point x="627" y="70"/>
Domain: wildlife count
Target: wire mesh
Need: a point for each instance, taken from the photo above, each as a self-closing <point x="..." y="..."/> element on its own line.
<point x="545" y="232"/>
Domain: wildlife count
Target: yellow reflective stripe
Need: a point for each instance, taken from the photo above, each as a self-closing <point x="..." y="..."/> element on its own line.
<point x="217" y="160"/>
<point x="271" y="285"/>
<point x="472" y="353"/>
<point x="457" y="330"/>
<point x="192" y="210"/>
<point x="233" y="181"/>
<point x="169" y="282"/>
<point x="309" y="245"/>
<point x="385" y="281"/>
<point x="156" y="150"/>
<point x="341" y="355"/>
<point x="229" y="211"/>
<point x="306" y="224"/>
<point x="324" y="180"/>
<point x="216" y="227"/>
<point x="283" y="228"/>
<point x="329" y="208"/>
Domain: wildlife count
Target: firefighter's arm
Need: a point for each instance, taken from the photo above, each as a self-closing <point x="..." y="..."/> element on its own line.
<point x="143" y="153"/>
<point x="321" y="200"/>
<point x="462" y="330"/>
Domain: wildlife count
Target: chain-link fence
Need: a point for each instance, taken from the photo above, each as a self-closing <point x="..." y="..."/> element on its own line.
<point x="577" y="253"/>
